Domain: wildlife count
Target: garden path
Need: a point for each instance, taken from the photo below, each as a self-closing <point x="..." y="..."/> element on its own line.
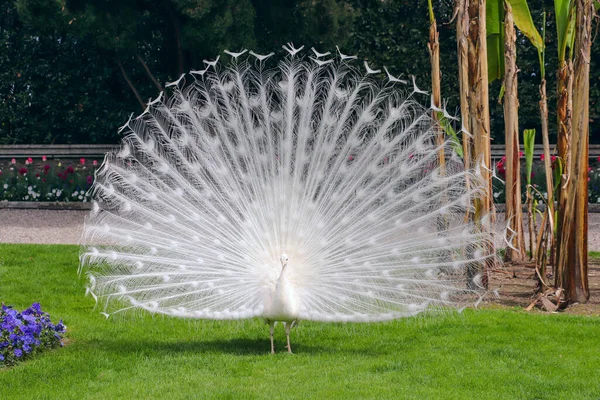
<point x="65" y="226"/>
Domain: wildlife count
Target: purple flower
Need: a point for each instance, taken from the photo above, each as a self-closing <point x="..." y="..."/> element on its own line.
<point x="21" y="333"/>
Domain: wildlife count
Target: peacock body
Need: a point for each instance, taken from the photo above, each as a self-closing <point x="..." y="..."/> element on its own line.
<point x="303" y="191"/>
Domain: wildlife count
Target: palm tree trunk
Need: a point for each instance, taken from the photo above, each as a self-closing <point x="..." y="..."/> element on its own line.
<point x="473" y="77"/>
<point x="434" y="56"/>
<point x="546" y="233"/>
<point x="572" y="246"/>
<point x="514" y="214"/>
<point x="462" y="35"/>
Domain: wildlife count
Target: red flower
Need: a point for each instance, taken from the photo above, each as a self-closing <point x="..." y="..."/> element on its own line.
<point x="520" y="154"/>
<point x="598" y="158"/>
<point x="70" y="170"/>
<point x="500" y="164"/>
<point x="22" y="170"/>
<point x="89" y="179"/>
<point x="37" y="175"/>
<point x="29" y="160"/>
<point x="46" y="168"/>
<point x="553" y="158"/>
<point x="82" y="161"/>
<point x="503" y="158"/>
<point x="95" y="162"/>
<point x="44" y="180"/>
<point x="43" y="158"/>
<point x="350" y="158"/>
<point x="542" y="158"/>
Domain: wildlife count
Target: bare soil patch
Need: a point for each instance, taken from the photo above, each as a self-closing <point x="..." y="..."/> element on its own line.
<point x="515" y="285"/>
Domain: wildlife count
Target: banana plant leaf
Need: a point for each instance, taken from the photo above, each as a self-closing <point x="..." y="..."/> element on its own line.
<point x="495" y="32"/>
<point x="528" y="143"/>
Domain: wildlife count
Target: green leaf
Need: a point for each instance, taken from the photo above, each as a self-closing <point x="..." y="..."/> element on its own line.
<point x="495" y="32"/>
<point x="542" y="52"/>
<point x="494" y="17"/>
<point x="454" y="139"/>
<point x="528" y="143"/>
<point x="524" y="22"/>
<point x="565" y="22"/>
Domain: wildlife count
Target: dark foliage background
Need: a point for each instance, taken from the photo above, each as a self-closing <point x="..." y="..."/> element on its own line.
<point x="64" y="64"/>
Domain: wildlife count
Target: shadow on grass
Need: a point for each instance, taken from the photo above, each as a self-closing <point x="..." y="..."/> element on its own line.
<point x="233" y="346"/>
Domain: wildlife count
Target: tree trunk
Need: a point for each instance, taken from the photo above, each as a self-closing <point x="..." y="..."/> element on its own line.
<point x="572" y="246"/>
<point x="546" y="233"/>
<point x="434" y="56"/>
<point x="131" y="86"/>
<point x="514" y="214"/>
<point x="462" y="39"/>
<point x="473" y="77"/>
<point x="149" y="73"/>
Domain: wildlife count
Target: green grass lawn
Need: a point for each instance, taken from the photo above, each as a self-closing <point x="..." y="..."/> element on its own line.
<point x="486" y="354"/>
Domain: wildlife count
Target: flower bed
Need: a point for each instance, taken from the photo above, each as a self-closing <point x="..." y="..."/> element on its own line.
<point x="46" y="180"/>
<point x="538" y="180"/>
<point x="24" y="334"/>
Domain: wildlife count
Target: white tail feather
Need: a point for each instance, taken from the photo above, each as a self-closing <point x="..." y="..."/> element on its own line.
<point x="316" y="162"/>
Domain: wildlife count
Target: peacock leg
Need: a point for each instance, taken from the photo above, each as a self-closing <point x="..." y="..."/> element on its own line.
<point x="288" y="326"/>
<point x="271" y="331"/>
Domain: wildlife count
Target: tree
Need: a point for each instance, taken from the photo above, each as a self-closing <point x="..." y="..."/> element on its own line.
<point x="473" y="77"/>
<point x="501" y="18"/>
<point x="571" y="248"/>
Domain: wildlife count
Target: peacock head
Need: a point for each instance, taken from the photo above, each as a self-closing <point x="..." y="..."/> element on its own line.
<point x="284" y="260"/>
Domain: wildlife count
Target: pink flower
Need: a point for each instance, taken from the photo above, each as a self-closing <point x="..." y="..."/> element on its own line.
<point x="520" y="154"/>
<point x="350" y="158"/>
<point x="503" y="158"/>
<point x="542" y="158"/>
<point x="95" y="162"/>
<point x="598" y="158"/>
<point x="82" y="161"/>
<point x="89" y="179"/>
<point x="13" y="161"/>
<point x="43" y="158"/>
<point x="553" y="158"/>
<point x="29" y="160"/>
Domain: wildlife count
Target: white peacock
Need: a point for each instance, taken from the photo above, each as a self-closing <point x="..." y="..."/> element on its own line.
<point x="302" y="191"/>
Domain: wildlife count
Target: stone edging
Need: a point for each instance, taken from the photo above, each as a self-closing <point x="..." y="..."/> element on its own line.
<point x="57" y="205"/>
<point x="45" y="205"/>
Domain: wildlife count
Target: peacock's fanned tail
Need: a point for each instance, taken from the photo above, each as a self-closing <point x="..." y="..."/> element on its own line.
<point x="241" y="163"/>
